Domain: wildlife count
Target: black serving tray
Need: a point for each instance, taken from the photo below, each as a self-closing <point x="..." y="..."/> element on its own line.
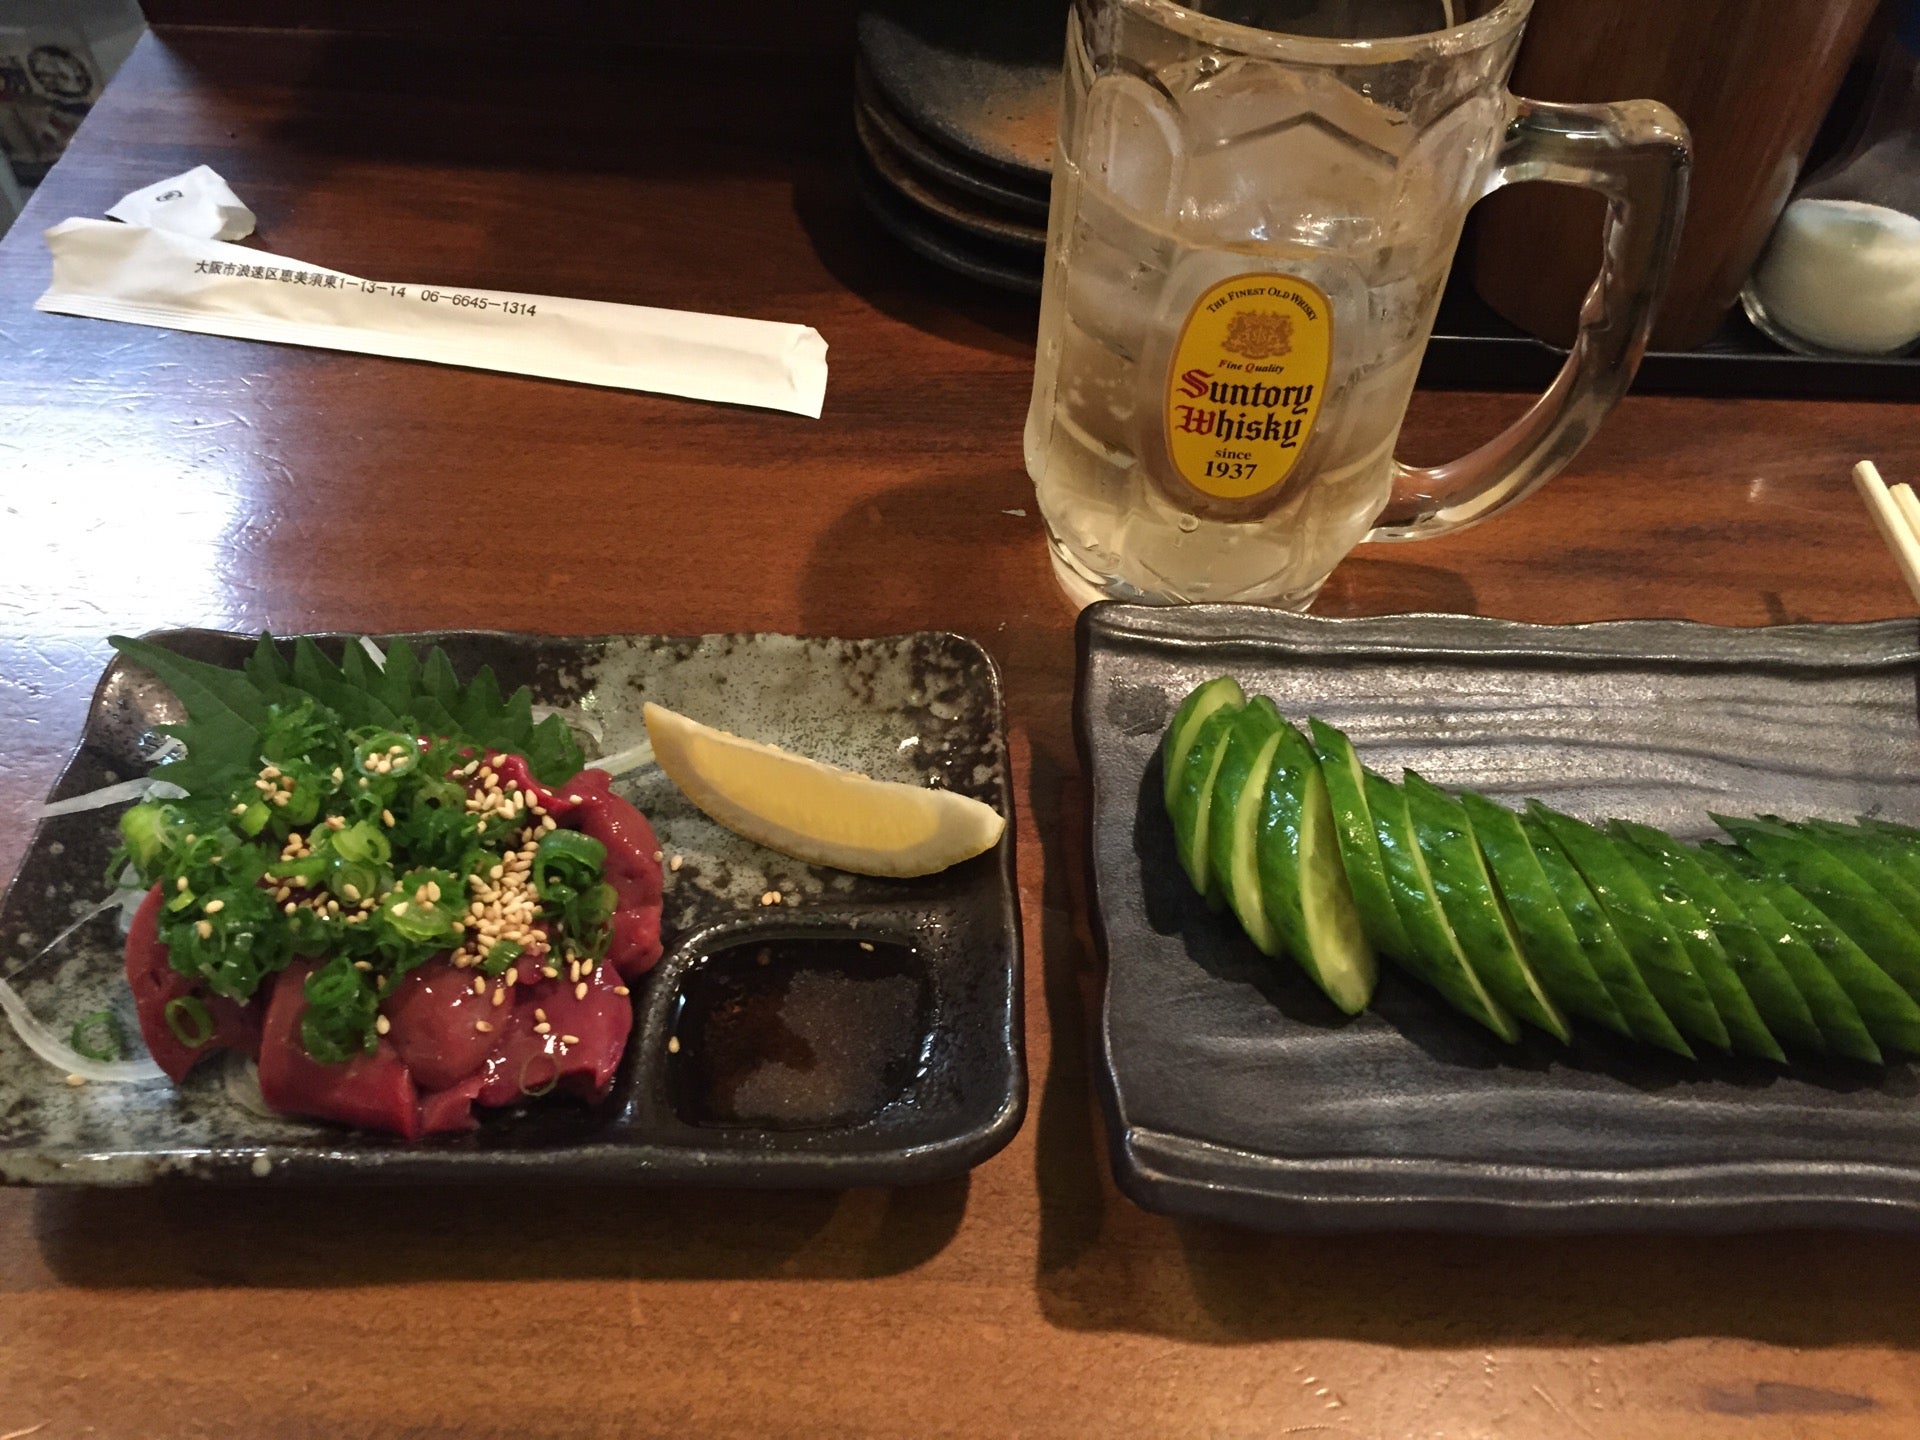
<point x="1233" y="1090"/>
<point x="923" y="708"/>
<point x="1473" y="348"/>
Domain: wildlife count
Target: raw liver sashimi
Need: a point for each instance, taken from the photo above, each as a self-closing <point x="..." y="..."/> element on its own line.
<point x="156" y="984"/>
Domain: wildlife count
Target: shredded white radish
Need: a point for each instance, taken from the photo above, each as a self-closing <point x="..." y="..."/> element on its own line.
<point x="374" y="653"/>
<point x="240" y="1078"/>
<point x="117" y="794"/>
<point x="621" y="761"/>
<point x="50" y="1046"/>
<point x="169" y="746"/>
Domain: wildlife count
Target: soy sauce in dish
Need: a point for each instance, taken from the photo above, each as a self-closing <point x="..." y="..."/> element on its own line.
<point x="796" y="1033"/>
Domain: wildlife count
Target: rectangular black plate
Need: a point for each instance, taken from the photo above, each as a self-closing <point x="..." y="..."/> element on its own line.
<point x="1233" y="1090"/>
<point x="923" y="708"/>
<point x="1473" y="348"/>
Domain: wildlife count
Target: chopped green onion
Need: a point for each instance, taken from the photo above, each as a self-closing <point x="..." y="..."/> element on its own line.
<point x="187" y="1011"/>
<point x="566" y="858"/>
<point x="535" y="1092"/>
<point x="503" y="954"/>
<point x="361" y="843"/>
<point x="113" y="1044"/>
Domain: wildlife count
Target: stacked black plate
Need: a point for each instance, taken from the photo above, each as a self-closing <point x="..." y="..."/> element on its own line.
<point x="954" y="117"/>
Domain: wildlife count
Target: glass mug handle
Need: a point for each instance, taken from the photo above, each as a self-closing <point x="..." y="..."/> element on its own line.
<point x="1636" y="154"/>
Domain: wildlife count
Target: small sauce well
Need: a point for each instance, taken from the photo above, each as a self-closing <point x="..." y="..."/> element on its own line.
<point x="797" y="1032"/>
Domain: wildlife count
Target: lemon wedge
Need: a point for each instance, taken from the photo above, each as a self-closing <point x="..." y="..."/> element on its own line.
<point x="815" y="812"/>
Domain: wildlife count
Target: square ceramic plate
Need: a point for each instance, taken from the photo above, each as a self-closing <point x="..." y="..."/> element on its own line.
<point x="933" y="1043"/>
<point x="1234" y="1090"/>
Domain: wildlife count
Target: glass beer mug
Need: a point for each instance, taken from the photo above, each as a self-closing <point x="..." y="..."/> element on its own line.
<point x="1255" y="206"/>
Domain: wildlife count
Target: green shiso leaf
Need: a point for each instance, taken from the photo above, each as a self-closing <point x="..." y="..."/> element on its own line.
<point x="228" y="709"/>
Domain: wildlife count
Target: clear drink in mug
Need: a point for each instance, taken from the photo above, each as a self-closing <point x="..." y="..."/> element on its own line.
<point x="1255" y="207"/>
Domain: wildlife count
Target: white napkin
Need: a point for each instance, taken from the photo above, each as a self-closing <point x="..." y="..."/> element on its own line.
<point x="155" y="273"/>
<point x="197" y="203"/>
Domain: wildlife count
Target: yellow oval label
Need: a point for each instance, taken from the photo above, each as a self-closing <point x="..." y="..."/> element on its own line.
<point x="1246" y="381"/>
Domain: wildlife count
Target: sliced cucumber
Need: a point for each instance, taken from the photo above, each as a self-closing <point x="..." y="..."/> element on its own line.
<point x="1829" y="997"/>
<point x="1546" y="935"/>
<point x="1888" y="1011"/>
<point x="1193" y="799"/>
<point x="1435" y="955"/>
<point x="1841" y="895"/>
<point x="1307" y="894"/>
<point x="1745" y="1027"/>
<point x="1662" y="960"/>
<point x="1206" y="698"/>
<point x="1873" y="860"/>
<point x="1603" y="946"/>
<point x="1233" y="819"/>
<point x="1465" y="887"/>
<point x="1359" y="846"/>
<point x="1785" y="1007"/>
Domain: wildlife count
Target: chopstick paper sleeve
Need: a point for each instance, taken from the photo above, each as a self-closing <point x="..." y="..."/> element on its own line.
<point x="155" y="277"/>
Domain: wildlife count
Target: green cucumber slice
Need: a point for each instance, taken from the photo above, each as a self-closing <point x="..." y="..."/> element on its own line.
<point x="1869" y="857"/>
<point x="1307" y="894"/>
<point x="1239" y="786"/>
<point x="1784" y="1006"/>
<point x="1886" y="1009"/>
<point x="1435" y="956"/>
<point x="1603" y="946"/>
<point x="1842" y="896"/>
<point x="1359" y="845"/>
<point x="1662" y="960"/>
<point x="1205" y="698"/>
<point x="1465" y="888"/>
<point x="1193" y="799"/>
<point x="1745" y="1027"/>
<point x="1546" y="935"/>
<point x="1829" y="997"/>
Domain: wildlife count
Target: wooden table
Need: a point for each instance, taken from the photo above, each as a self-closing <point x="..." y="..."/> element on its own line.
<point x="151" y="478"/>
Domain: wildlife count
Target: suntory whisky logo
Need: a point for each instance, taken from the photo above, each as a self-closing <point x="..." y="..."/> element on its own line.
<point x="1244" y="384"/>
<point x="1259" y="335"/>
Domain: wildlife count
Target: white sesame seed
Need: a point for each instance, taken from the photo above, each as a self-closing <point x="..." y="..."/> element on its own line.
<point x="400" y="908"/>
<point x="76" y="1080"/>
<point x="350" y="891"/>
<point x="479" y="986"/>
<point x="181" y="883"/>
<point x="673" y="1044"/>
<point x="500" y="996"/>
<point x="580" y="991"/>
<point x="382" y="1025"/>
<point x="621" y="990"/>
<point x="214" y="907"/>
<point x="483" y="1027"/>
<point x="386" y="818"/>
<point x="542" y="1028"/>
<point x="363" y="965"/>
<point x="674" y="864"/>
<point x="538" y="1013"/>
<point x="204" y="929"/>
<point x="569" y="1039"/>
<point x="865" y="946"/>
<point x="576" y="800"/>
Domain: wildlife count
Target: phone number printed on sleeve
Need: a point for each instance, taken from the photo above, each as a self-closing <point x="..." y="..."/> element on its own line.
<point x="488" y="303"/>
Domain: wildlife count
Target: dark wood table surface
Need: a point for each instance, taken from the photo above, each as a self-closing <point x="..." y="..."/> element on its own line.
<point x="149" y="478"/>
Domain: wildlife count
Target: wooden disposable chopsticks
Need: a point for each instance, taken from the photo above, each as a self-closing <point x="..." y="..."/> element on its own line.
<point x="1896" y="511"/>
